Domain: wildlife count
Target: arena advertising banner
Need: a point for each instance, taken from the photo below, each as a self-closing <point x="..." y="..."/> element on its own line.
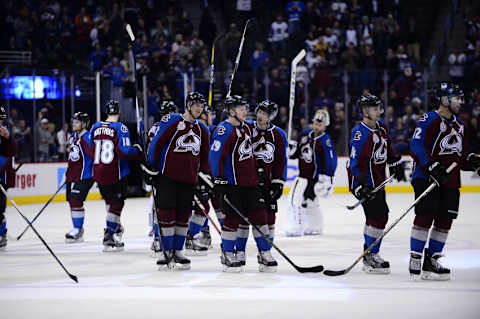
<point x="36" y="183"/>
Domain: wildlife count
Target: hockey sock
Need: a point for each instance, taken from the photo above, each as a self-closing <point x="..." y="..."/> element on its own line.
<point x="262" y="244"/>
<point x="418" y="238"/>
<point x="166" y="218"/>
<point x="77" y="212"/>
<point x="113" y="222"/>
<point x="3" y="227"/>
<point x="205" y="224"/>
<point x="271" y="233"/>
<point x="371" y="234"/>
<point x="438" y="237"/>
<point x="180" y="236"/>
<point x="155" y="229"/>
<point x="229" y="237"/>
<point x="220" y="216"/>
<point x="242" y="237"/>
<point x="196" y="224"/>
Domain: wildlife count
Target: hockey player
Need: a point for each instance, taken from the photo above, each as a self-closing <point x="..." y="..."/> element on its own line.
<point x="79" y="178"/>
<point x="370" y="152"/>
<point x="437" y="142"/>
<point x="198" y="236"/>
<point x="317" y="162"/>
<point x="111" y="151"/>
<point x="234" y="171"/>
<point x="167" y="107"/>
<point x="8" y="149"/>
<point x="269" y="145"/>
<point x="179" y="150"/>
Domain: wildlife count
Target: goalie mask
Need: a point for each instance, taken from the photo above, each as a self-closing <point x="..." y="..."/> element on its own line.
<point x="322" y="116"/>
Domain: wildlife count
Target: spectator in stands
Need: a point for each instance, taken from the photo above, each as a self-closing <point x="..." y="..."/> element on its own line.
<point x="294" y="11"/>
<point x="259" y="57"/>
<point x="83" y="25"/>
<point x="278" y="34"/>
<point x="116" y="72"/>
<point x="456" y="70"/>
<point x="96" y="58"/>
<point x="243" y="11"/>
<point x="400" y="135"/>
<point x="413" y="40"/>
<point x="62" y="139"/>
<point x="338" y="133"/>
<point x="351" y="37"/>
<point x="44" y="140"/>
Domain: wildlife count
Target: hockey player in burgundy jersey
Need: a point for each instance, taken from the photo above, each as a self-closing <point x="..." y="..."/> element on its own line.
<point x="269" y="144"/>
<point x="8" y="149"/>
<point x="234" y="170"/>
<point x="79" y="174"/>
<point x="437" y="142"/>
<point x="370" y="152"/>
<point x="167" y="107"/>
<point x="179" y="150"/>
<point x="198" y="236"/>
<point x="317" y="162"/>
<point x="111" y="151"/>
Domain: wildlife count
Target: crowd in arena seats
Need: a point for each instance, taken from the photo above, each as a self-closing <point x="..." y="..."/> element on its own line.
<point x="361" y="38"/>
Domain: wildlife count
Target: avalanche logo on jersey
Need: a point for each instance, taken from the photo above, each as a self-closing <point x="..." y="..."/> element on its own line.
<point x="380" y="155"/>
<point x="263" y="150"/>
<point x="189" y="142"/>
<point x="307" y="153"/>
<point x="245" y="149"/>
<point x="74" y="154"/>
<point x="451" y="143"/>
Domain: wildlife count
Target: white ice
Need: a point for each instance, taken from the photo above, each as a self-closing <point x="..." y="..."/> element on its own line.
<point x="128" y="284"/>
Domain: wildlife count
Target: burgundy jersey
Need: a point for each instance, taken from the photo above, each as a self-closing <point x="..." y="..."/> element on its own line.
<point x="79" y="157"/>
<point x="370" y="151"/>
<point x="439" y="139"/>
<point x="270" y="150"/>
<point x="111" y="151"/>
<point x="179" y="149"/>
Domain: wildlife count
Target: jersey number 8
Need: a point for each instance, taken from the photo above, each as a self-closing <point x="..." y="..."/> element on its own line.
<point x="103" y="151"/>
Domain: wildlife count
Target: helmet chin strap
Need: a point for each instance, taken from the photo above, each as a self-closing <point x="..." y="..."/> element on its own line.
<point x="190" y="112"/>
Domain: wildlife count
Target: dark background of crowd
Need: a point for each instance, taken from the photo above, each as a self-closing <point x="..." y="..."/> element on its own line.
<point x="361" y="39"/>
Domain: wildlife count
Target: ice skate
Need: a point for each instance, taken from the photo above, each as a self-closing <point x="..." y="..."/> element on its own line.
<point x="206" y="238"/>
<point x="432" y="269"/>
<point x="229" y="262"/>
<point x="266" y="262"/>
<point x="374" y="264"/>
<point x="241" y="257"/>
<point x="194" y="247"/>
<point x="179" y="261"/>
<point x="164" y="259"/>
<point x="74" y="236"/>
<point x="415" y="265"/>
<point x="111" y="244"/>
<point x="119" y="233"/>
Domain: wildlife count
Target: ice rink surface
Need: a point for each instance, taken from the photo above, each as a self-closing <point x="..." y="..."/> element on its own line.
<point x="129" y="285"/>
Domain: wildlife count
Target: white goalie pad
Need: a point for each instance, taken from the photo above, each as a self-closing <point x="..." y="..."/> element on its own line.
<point x="296" y="194"/>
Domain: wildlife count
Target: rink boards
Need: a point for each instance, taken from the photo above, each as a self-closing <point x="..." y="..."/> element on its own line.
<point x="35" y="183"/>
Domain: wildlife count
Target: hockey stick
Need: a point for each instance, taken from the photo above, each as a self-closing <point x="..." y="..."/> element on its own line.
<point x="212" y="70"/>
<point x="73" y="277"/>
<point x="425" y="193"/>
<point x="41" y="210"/>
<point x="18" y="167"/>
<point x="293" y="81"/>
<point x="202" y="208"/>
<point x="376" y="189"/>
<point x="239" y="54"/>
<point x="314" y="269"/>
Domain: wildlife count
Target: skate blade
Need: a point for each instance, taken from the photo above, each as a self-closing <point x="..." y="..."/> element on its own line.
<point x="267" y="269"/>
<point x="415" y="277"/>
<point x="232" y="270"/>
<point x="312" y="233"/>
<point x="376" y="271"/>
<point x="192" y="252"/>
<point x="176" y="266"/>
<point x="156" y="254"/>
<point x="3" y="248"/>
<point x="74" y="241"/>
<point x="110" y="249"/>
<point x="427" y="275"/>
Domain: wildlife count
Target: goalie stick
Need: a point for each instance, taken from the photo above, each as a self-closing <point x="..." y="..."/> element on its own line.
<point x="293" y="81"/>
<point x="314" y="269"/>
<point x="425" y="193"/>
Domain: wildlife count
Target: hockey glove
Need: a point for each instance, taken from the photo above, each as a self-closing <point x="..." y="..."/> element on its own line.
<point x="261" y="176"/>
<point x="397" y="169"/>
<point x="437" y="173"/>
<point x="364" y="192"/>
<point x="474" y="161"/>
<point x="292" y="149"/>
<point x="149" y="175"/>
<point x="324" y="186"/>
<point x="202" y="191"/>
<point x="138" y="147"/>
<point x="276" y="189"/>
<point x="220" y="186"/>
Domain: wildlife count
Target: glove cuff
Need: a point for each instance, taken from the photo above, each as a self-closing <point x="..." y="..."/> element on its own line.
<point x="277" y="181"/>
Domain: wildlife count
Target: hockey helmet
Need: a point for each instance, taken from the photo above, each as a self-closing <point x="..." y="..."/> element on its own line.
<point x="233" y="101"/>
<point x="82" y="117"/>
<point x="3" y="113"/>
<point x="112" y="107"/>
<point x="167" y="107"/>
<point x="268" y="107"/>
<point x="322" y="116"/>
<point x="368" y="100"/>
<point x="195" y="97"/>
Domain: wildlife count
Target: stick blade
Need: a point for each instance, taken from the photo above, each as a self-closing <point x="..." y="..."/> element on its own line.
<point x="73" y="277"/>
<point x="130" y="32"/>
<point x="333" y="273"/>
<point x="315" y="269"/>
